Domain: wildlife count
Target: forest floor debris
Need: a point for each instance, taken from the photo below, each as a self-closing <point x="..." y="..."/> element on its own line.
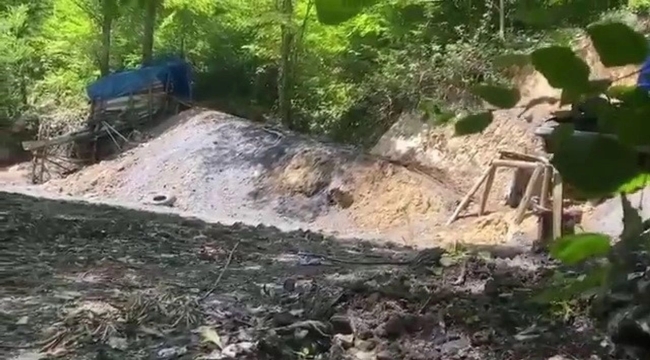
<point x="84" y="281"/>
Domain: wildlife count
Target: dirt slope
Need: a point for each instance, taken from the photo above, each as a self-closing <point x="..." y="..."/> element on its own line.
<point x="226" y="167"/>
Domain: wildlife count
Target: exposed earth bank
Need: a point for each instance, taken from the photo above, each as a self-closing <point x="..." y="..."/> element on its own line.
<point x="222" y="168"/>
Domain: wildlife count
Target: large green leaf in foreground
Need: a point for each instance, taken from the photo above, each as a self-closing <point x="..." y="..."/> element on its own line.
<point x="561" y="67"/>
<point x="597" y="165"/>
<point x="617" y="44"/>
<point x="500" y="97"/>
<point x="573" y="249"/>
<point x="473" y="124"/>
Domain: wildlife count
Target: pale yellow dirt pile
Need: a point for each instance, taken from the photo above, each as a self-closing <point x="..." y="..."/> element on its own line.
<point x="406" y="205"/>
<point x="389" y="196"/>
<point x="381" y="196"/>
<point x="306" y="173"/>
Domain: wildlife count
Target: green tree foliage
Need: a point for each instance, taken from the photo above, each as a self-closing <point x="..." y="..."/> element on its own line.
<point x="352" y="66"/>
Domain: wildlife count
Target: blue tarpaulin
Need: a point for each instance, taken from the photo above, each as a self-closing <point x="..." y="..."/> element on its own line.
<point x="643" y="80"/>
<point x="174" y="74"/>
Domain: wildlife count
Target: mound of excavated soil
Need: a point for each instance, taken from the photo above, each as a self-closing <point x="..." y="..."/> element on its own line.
<point x="228" y="168"/>
<point x="463" y="158"/>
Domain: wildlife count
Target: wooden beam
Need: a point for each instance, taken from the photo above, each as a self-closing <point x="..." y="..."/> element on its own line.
<point x="486" y="191"/>
<point x="465" y="201"/>
<point x="525" y="200"/>
<point x="546" y="183"/>
<point x="558" y="198"/>
<point x="516" y="163"/>
<point x="523" y="157"/>
<point x="63" y="139"/>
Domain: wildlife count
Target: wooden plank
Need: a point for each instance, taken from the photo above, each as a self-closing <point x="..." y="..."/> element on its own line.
<point x="516" y="163"/>
<point x="546" y="183"/>
<point x="486" y="191"/>
<point x="38" y="144"/>
<point x="465" y="201"/>
<point x="525" y="200"/>
<point x="558" y="198"/>
<point x="511" y="155"/>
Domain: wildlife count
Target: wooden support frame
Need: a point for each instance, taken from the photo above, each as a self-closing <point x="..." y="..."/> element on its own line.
<point x="515" y="164"/>
<point x="488" y="187"/>
<point x="465" y="201"/>
<point x="542" y="170"/>
<point x="525" y="201"/>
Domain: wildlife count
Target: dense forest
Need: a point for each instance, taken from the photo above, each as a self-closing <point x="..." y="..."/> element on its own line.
<point x="281" y="58"/>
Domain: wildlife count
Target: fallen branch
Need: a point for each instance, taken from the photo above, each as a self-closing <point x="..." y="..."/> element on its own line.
<point x="225" y="267"/>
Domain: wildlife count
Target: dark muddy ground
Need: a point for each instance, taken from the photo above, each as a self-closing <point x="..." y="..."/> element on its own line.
<point x="81" y="281"/>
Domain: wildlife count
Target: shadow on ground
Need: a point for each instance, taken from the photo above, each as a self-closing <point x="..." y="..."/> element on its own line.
<point x="85" y="281"/>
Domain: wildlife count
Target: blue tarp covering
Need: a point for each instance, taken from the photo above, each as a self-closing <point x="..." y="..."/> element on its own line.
<point x="643" y="80"/>
<point x="174" y="74"/>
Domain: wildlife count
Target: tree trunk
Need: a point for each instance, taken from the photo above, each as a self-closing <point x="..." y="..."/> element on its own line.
<point x="149" y="24"/>
<point x="502" y="20"/>
<point x="284" y="83"/>
<point x="105" y="56"/>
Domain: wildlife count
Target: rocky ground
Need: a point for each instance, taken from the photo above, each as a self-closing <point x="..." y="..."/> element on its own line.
<point x="83" y="281"/>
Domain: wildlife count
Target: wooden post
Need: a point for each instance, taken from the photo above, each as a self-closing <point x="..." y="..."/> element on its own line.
<point x="35" y="165"/>
<point x="525" y="200"/>
<point x="486" y="191"/>
<point x="465" y="201"/>
<point x="546" y="182"/>
<point x="544" y="230"/>
<point x="558" y="198"/>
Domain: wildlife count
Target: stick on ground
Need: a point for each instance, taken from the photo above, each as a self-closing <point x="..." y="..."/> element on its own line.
<point x="225" y="267"/>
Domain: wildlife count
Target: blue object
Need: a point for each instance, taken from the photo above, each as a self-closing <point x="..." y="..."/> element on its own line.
<point x="643" y="81"/>
<point x="175" y="75"/>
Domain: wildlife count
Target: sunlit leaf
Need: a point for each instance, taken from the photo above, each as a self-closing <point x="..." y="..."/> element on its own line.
<point x="617" y="44"/>
<point x="573" y="249"/>
<point x="636" y="183"/>
<point x="500" y="97"/>
<point x="562" y="68"/>
<point x="597" y="165"/>
<point x="629" y="94"/>
<point x="473" y="124"/>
